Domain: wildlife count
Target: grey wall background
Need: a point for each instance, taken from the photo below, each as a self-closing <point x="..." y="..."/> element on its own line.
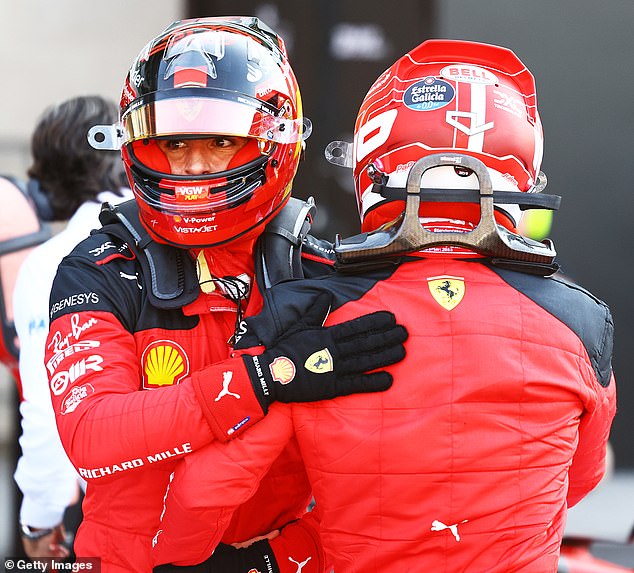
<point x="50" y="51"/>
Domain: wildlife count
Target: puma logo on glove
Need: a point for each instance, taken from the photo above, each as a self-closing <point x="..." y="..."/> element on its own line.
<point x="226" y="380"/>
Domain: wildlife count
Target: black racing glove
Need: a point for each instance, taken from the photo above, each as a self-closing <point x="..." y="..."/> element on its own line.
<point x="204" y="567"/>
<point x="258" y="556"/>
<point x="308" y="362"/>
<point x="227" y="559"/>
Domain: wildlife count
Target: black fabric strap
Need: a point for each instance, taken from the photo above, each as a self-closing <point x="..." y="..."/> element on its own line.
<point x="278" y="251"/>
<point x="524" y="200"/>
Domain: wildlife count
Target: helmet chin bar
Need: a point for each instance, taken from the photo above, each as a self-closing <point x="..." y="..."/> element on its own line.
<point x="406" y="234"/>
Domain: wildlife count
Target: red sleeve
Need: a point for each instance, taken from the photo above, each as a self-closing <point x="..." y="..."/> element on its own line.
<point x="589" y="462"/>
<point x="209" y="484"/>
<point x="106" y="424"/>
<point x="226" y="421"/>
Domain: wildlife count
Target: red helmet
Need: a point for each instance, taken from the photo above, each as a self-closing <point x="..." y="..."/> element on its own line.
<point x="203" y="77"/>
<point x="446" y="96"/>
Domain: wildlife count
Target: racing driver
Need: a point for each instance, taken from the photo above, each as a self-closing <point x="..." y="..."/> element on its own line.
<point x="144" y="311"/>
<point x="503" y="407"/>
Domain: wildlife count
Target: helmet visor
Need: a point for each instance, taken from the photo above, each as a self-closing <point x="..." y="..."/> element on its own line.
<point x="219" y="113"/>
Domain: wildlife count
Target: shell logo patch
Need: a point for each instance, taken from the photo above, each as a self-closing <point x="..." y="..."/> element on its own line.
<point x="320" y="362"/>
<point x="447" y="291"/>
<point x="282" y="370"/>
<point x="164" y="363"/>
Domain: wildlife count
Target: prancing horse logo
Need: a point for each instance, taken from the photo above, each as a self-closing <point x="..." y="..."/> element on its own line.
<point x="319" y="362"/>
<point x="447" y="291"/>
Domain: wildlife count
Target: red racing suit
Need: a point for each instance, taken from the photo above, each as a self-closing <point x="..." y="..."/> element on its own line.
<point x="497" y="421"/>
<point x="135" y="387"/>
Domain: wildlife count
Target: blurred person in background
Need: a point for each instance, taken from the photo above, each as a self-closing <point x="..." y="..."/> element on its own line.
<point x="143" y="312"/>
<point x="68" y="181"/>
<point x="499" y="417"/>
<point x="20" y="230"/>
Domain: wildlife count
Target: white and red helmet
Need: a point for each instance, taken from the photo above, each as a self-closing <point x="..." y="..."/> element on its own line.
<point x="447" y="96"/>
<point x="199" y="78"/>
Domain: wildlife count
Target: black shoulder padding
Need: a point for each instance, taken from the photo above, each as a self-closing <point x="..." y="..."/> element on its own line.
<point x="170" y="271"/>
<point x="279" y="248"/>
<point x="582" y="312"/>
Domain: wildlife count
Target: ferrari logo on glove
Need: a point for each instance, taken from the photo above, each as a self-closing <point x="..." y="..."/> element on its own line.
<point x="319" y="362"/>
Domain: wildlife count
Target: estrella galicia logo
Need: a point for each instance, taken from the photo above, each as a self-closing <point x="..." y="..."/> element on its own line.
<point x="428" y="94"/>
